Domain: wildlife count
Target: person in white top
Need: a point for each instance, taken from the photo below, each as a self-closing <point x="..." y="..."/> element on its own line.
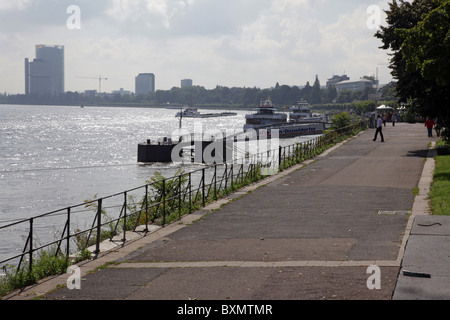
<point x="379" y="129"/>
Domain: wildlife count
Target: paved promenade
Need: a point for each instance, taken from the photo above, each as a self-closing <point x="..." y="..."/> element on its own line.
<point x="308" y="233"/>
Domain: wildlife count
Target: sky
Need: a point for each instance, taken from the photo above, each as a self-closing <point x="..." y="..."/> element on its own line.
<point x="233" y="43"/>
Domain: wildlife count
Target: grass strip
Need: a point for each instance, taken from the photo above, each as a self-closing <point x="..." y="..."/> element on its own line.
<point x="440" y="188"/>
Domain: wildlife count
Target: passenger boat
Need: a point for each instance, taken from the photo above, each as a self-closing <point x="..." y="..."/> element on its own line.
<point x="302" y="113"/>
<point x="268" y="117"/>
<point x="266" y="114"/>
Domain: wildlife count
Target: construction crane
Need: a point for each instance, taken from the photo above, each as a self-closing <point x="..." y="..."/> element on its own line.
<point x="99" y="78"/>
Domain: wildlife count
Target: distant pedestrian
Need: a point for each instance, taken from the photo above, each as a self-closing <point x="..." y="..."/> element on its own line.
<point x="379" y="129"/>
<point x="372" y="121"/>
<point x="384" y="119"/>
<point x="394" y="119"/>
<point x="429" y="123"/>
<point x="438" y="127"/>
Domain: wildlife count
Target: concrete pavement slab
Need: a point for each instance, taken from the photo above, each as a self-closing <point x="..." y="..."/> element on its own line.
<point x="425" y="273"/>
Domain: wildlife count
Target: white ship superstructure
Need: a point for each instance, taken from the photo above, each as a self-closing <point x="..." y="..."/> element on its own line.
<point x="268" y="117"/>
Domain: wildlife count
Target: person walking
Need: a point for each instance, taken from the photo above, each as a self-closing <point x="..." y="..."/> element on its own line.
<point x="379" y="129"/>
<point x="394" y="119"/>
<point x="438" y="127"/>
<point x="372" y="121"/>
<point x="429" y="123"/>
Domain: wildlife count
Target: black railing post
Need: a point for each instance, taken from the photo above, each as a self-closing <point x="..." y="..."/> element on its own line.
<point x="146" y="208"/>
<point x="99" y="226"/>
<point x="125" y="217"/>
<point x="215" y="181"/>
<point x="179" y="195"/>
<point x="68" y="233"/>
<point x="31" y="246"/>
<point x="203" y="187"/>
<point x="190" y="192"/>
<point x="164" y="202"/>
<point x="226" y="178"/>
<point x="279" y="159"/>
<point x="231" y="174"/>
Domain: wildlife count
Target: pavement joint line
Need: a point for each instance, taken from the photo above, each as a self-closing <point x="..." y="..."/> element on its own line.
<point x="254" y="264"/>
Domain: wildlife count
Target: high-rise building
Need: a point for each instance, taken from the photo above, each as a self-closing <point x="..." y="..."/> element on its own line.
<point x="45" y="74"/>
<point x="145" y="83"/>
<point x="186" y="83"/>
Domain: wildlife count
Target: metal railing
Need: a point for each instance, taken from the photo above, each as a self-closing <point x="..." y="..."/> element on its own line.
<point x="158" y="202"/>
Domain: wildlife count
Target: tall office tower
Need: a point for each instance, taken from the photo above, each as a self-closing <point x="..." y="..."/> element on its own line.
<point x="45" y="74"/>
<point x="27" y="76"/>
<point x="145" y="83"/>
<point x="186" y="83"/>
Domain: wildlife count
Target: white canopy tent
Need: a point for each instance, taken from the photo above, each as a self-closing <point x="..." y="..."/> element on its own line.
<point x="383" y="107"/>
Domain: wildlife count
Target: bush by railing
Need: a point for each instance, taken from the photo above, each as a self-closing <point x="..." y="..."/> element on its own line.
<point x="160" y="201"/>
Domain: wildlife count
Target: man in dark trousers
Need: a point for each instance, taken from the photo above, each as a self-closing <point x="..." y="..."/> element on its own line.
<point x="429" y="123"/>
<point x="379" y="129"/>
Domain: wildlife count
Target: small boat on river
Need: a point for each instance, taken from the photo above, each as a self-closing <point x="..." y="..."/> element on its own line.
<point x="190" y="112"/>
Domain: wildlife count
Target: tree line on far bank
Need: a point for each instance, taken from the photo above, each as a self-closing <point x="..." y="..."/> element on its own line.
<point x="220" y="97"/>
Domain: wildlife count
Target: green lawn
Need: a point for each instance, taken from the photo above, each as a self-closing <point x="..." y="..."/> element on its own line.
<point x="440" y="188"/>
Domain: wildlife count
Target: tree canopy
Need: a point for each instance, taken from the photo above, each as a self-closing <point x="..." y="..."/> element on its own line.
<point x="418" y="38"/>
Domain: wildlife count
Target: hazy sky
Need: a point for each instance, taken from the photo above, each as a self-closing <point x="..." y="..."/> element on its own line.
<point x="234" y="43"/>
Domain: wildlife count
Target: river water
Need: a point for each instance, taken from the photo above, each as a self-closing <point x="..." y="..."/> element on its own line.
<point x="52" y="157"/>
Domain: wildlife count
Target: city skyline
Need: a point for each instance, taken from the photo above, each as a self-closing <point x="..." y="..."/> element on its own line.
<point x="255" y="43"/>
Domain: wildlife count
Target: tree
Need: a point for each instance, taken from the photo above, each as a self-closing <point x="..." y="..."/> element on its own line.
<point x="316" y="92"/>
<point x="330" y="94"/>
<point x="306" y="92"/>
<point x="419" y="37"/>
<point x="364" y="94"/>
<point x="345" y="96"/>
<point x="427" y="46"/>
<point x="363" y="106"/>
<point x="340" y="120"/>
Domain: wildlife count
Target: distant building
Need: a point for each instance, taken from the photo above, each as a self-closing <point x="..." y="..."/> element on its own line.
<point x="45" y="74"/>
<point x="91" y="93"/>
<point x="145" y="83"/>
<point x="186" y="83"/>
<point x="122" y="92"/>
<point x="355" y="85"/>
<point x="332" y="82"/>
